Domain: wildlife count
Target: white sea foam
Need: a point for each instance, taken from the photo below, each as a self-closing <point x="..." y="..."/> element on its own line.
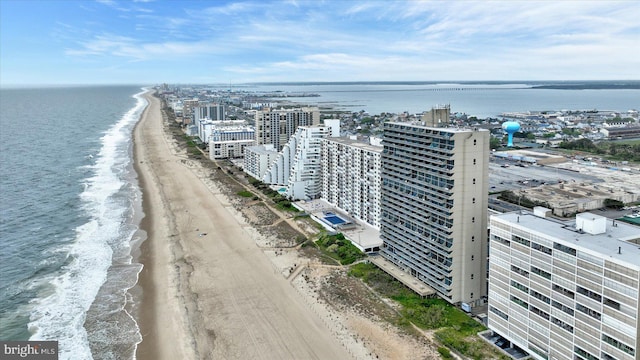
<point x="60" y="314"/>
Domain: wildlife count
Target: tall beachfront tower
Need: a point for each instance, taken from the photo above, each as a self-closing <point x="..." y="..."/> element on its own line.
<point x="434" y="207"/>
<point x="565" y="289"/>
<point x="276" y="126"/>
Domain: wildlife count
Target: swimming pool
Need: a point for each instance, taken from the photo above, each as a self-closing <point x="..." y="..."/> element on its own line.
<point x="335" y="220"/>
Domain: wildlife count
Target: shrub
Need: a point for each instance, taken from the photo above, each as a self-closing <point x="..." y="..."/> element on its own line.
<point x="444" y="352"/>
<point x="245" y="193"/>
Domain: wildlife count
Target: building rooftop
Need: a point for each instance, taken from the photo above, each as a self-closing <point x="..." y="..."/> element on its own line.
<point x="358" y="144"/>
<point x="619" y="241"/>
<point x="450" y="129"/>
<point x="262" y="149"/>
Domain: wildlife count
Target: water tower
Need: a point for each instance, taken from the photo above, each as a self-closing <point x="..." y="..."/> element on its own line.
<point x="511" y="127"/>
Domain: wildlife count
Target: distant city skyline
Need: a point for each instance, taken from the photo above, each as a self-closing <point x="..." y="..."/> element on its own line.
<point x="150" y="42"/>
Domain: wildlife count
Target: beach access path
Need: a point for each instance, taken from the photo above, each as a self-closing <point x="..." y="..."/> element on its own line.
<point x="208" y="291"/>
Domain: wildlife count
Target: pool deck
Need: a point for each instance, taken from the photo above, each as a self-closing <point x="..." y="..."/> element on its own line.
<point x="362" y="235"/>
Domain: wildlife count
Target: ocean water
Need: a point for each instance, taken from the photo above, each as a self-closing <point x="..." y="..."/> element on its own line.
<point x="70" y="209"/>
<point x="70" y="205"/>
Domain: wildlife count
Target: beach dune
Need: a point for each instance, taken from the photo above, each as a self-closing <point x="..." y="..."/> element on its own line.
<point x="208" y="291"/>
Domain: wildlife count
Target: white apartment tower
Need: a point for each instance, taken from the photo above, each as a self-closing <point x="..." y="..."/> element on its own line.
<point x="434" y="207"/>
<point x="276" y="126"/>
<point x="298" y="167"/>
<point x="565" y="290"/>
<point x="351" y="178"/>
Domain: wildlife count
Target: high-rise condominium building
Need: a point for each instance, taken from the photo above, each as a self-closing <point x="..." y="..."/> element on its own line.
<point x="210" y="111"/>
<point x="351" y="178"/>
<point x="434" y="207"/>
<point x="276" y="126"/>
<point x="565" y="290"/>
<point x="298" y="167"/>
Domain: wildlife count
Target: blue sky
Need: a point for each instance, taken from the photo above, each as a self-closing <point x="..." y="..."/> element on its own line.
<point x="154" y="41"/>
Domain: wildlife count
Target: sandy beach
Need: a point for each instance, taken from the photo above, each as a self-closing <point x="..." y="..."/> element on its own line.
<point x="208" y="291"/>
<point x="219" y="283"/>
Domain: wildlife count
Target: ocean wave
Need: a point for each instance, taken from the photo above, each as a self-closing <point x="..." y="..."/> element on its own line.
<point x="89" y="279"/>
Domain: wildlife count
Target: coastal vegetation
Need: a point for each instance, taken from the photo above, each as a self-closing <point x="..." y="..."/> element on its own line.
<point x="612" y="150"/>
<point x="452" y="327"/>
<point x="245" y="193"/>
<point x="339" y="248"/>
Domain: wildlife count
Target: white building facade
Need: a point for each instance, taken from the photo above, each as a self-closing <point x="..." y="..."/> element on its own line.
<point x="351" y="178"/>
<point x="258" y="159"/>
<point x="298" y="167"/>
<point x="565" y="290"/>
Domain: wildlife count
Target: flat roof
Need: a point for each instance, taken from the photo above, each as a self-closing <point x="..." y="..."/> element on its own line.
<point x="450" y="129"/>
<point x="357" y="143"/>
<point x="605" y="245"/>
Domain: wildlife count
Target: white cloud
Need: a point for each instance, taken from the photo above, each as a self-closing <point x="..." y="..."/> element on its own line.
<point x="374" y="40"/>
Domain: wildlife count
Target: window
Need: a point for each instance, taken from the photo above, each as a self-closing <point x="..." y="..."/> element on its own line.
<point x="615" y="343"/>
<point x="594" y="314"/>
<point x="519" y="286"/>
<point x="612" y="304"/>
<point x="562" y="324"/>
<point x="563" y="291"/>
<point x="520" y="302"/>
<point x="564" y="248"/>
<point x="541" y="248"/>
<point x="499" y="313"/>
<point x="589" y="293"/>
<point x="539" y="312"/>
<point x="541" y="272"/>
<point x="562" y="307"/>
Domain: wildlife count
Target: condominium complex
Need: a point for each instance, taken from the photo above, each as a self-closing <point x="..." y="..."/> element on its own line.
<point x="276" y="126"/>
<point x="258" y="159"/>
<point x="565" y="290"/>
<point x="228" y="140"/>
<point x="298" y="167"/>
<point x="351" y="178"/>
<point x="434" y="207"/>
<point x="210" y="111"/>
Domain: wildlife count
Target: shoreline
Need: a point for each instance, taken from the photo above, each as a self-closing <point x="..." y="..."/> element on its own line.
<point x="208" y="290"/>
<point x="146" y="318"/>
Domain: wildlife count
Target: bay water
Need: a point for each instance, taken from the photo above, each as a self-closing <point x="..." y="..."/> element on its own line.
<point x="70" y="205"/>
